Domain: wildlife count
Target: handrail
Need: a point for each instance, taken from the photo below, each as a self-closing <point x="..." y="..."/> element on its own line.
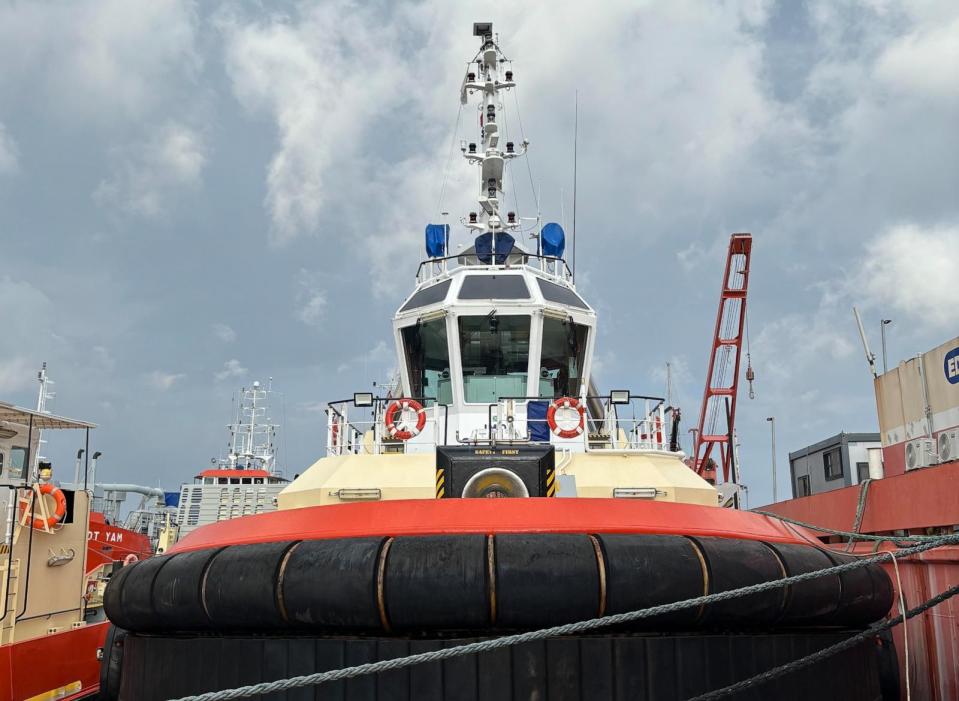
<point x="522" y="255"/>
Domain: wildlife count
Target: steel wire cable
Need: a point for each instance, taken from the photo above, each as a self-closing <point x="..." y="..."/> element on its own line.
<point x="605" y="621"/>
<point x="852" y="641"/>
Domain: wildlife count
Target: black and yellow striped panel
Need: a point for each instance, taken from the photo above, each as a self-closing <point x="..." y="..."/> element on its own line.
<point x="550" y="482"/>
<point x="440" y="483"/>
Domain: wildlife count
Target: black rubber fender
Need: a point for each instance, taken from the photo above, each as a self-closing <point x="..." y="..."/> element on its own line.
<point x="439" y="582"/>
<point x="866" y="591"/>
<point x="649" y="570"/>
<point x="239" y="588"/>
<point x="112" y="603"/>
<point x="136" y="597"/>
<point x="178" y="590"/>
<point x="545" y="579"/>
<point x="111" y="664"/>
<point x="732" y="564"/>
<point x="815" y="600"/>
<point x="332" y="584"/>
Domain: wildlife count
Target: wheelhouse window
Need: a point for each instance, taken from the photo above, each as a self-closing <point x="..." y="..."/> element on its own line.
<point x="428" y="360"/>
<point x="18" y="458"/>
<point x="495" y="355"/>
<point x="563" y="356"/>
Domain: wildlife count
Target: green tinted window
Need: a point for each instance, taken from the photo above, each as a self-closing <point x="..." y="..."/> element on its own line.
<point x="495" y="355"/>
<point x="561" y="363"/>
<point x="428" y="360"/>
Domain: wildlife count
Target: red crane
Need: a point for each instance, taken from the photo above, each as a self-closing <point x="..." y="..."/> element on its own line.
<point x="717" y="416"/>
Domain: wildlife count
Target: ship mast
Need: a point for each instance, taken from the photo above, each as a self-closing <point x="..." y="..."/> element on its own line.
<point x="252" y="433"/>
<point x="483" y="77"/>
<point x="42" y="398"/>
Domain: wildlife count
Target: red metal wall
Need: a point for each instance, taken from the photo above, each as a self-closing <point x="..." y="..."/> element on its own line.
<point x="933" y="635"/>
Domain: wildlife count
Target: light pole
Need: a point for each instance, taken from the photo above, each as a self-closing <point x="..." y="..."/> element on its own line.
<point x="772" y="428"/>
<point x="882" y="329"/>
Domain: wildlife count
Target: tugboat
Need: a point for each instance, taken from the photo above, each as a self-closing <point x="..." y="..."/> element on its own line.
<point x="50" y="631"/>
<point x="498" y="491"/>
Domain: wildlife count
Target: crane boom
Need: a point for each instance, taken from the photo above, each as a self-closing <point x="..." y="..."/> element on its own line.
<point x="717" y="415"/>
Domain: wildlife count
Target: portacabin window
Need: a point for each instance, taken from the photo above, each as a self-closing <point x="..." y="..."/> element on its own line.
<point x="802" y="486"/>
<point x="862" y="471"/>
<point x="832" y="464"/>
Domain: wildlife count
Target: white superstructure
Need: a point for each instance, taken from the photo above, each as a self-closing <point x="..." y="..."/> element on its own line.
<point x="247" y="480"/>
<point x="495" y="348"/>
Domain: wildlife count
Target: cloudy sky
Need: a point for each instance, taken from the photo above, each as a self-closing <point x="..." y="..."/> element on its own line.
<point x="194" y="196"/>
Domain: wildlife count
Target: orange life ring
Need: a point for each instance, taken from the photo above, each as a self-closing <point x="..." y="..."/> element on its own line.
<point x="404" y="434"/>
<point x="47" y="488"/>
<point x="335" y="433"/>
<point x="566" y="403"/>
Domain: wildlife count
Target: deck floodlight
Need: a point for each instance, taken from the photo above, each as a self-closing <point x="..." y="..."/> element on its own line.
<point x="363" y="399"/>
<point x="483" y="29"/>
<point x="509" y="76"/>
<point x="619" y="396"/>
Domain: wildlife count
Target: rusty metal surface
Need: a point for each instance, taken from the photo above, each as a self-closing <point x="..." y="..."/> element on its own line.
<point x="913" y="501"/>
<point x="934" y="635"/>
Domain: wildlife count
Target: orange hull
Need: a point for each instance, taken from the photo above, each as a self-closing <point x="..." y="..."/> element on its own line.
<point x="39" y="667"/>
<point x="532" y="515"/>
<point x="109" y="543"/>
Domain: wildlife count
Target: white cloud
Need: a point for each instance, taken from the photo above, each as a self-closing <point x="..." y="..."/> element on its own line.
<point x="9" y="153"/>
<point x="224" y="332"/>
<point x="146" y="174"/>
<point x="231" y="368"/>
<point x="311" y="299"/>
<point x="924" y="61"/>
<point x="104" y="60"/>
<point x="163" y="381"/>
<point x="912" y="270"/>
<point x="320" y="94"/>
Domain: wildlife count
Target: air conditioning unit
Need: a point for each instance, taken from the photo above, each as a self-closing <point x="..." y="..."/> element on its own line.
<point x="948" y="446"/>
<point x="919" y="453"/>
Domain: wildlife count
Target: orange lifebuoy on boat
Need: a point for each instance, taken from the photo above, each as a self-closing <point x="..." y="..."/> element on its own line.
<point x="47" y="489"/>
<point x="404" y="434"/>
<point x="566" y="403"/>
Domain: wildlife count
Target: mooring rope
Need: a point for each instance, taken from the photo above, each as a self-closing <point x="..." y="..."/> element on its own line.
<point x="871" y="631"/>
<point x="605" y="621"/>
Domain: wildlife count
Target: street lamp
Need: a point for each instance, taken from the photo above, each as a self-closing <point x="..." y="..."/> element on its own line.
<point x="772" y="429"/>
<point x="882" y="329"/>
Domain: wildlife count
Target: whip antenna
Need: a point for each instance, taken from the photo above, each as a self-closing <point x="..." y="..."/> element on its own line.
<point x="575" y="139"/>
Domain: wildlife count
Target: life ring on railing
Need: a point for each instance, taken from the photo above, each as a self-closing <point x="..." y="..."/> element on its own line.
<point x="404" y="434"/>
<point x="47" y="488"/>
<point x="130" y="559"/>
<point x="566" y="403"/>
